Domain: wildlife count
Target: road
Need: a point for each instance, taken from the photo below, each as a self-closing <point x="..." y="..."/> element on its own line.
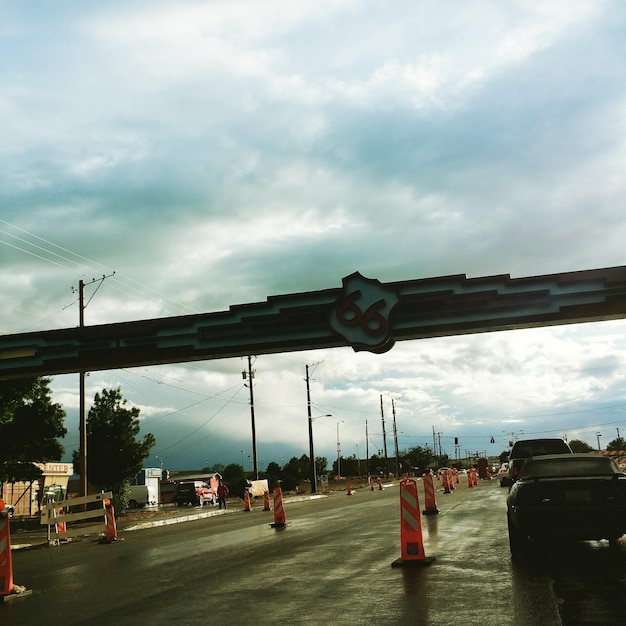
<point x="330" y="565"/>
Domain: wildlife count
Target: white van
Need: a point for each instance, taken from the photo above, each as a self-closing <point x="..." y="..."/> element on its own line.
<point x="142" y="495"/>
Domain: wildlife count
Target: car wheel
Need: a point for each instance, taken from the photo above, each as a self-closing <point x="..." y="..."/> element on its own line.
<point x="518" y="542"/>
<point x="132" y="504"/>
<point x="200" y="501"/>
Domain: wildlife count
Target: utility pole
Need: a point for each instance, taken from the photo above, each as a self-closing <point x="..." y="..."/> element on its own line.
<point x="395" y="437"/>
<point x="82" y="418"/>
<point x="312" y="473"/>
<point x="250" y="387"/>
<point x="367" y="451"/>
<point x="382" y="415"/>
<point x="81" y="402"/>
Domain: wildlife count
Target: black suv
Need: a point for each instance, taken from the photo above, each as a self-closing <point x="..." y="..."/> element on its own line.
<point x="525" y="448"/>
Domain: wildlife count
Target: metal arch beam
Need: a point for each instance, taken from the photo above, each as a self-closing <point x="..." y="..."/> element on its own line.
<point x="364" y="314"/>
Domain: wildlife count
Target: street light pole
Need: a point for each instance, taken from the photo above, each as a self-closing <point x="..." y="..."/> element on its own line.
<point x="313" y="476"/>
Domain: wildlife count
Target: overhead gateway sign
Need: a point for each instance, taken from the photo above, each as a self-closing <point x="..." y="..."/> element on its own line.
<point x="364" y="314"/>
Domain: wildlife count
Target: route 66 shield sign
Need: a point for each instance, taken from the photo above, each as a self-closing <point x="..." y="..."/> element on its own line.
<point x="362" y="313"/>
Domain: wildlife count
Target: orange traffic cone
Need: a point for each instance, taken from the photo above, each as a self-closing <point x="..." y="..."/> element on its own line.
<point x="266" y="501"/>
<point x="430" y="501"/>
<point x="280" y="520"/>
<point x="8" y="589"/>
<point x="348" y="490"/>
<point x="411" y="539"/>
<point x="380" y="483"/>
<point x="371" y="483"/>
<point x="246" y="501"/>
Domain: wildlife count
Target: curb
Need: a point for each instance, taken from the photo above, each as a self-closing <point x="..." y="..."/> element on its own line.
<point x="170" y="520"/>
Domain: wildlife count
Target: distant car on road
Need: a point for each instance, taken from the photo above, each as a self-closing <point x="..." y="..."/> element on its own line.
<point x="525" y="448"/>
<point x="502" y="474"/>
<point x="560" y="497"/>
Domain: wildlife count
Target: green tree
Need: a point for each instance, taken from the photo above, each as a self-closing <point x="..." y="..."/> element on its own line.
<point x="274" y="473"/>
<point x="114" y="454"/>
<point x="321" y="465"/>
<point x="233" y="474"/>
<point x="418" y="457"/>
<point x="30" y="428"/>
<point x="579" y="446"/>
<point x="617" y="444"/>
<point x="295" y="471"/>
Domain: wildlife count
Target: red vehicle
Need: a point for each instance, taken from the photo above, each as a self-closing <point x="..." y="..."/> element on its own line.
<point x="195" y="492"/>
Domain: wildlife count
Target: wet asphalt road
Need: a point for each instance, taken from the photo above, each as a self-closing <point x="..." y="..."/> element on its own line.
<point x="330" y="565"/>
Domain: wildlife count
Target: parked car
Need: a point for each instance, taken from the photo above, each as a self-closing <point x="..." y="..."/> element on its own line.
<point x="194" y="492"/>
<point x="566" y="496"/>
<point x="142" y="495"/>
<point x="525" y="448"/>
<point x="503" y="474"/>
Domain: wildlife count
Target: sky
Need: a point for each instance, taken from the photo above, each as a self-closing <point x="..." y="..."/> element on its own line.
<point x="207" y="154"/>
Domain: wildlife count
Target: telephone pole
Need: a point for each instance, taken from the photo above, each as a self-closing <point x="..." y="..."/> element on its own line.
<point x="395" y="438"/>
<point x="81" y="402"/>
<point x="312" y="473"/>
<point x="82" y="418"/>
<point x="382" y="415"/>
<point x="250" y="387"/>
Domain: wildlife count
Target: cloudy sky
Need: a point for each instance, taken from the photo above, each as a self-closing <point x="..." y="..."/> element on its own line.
<point x="213" y="153"/>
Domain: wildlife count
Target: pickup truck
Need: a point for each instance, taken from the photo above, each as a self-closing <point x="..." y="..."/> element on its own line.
<point x="195" y="492"/>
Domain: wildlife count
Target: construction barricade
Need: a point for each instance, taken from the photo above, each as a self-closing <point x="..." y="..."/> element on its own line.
<point x="246" y="501"/>
<point x="430" y="500"/>
<point x="8" y="589"/>
<point x="411" y="538"/>
<point x="445" y="483"/>
<point x="58" y="515"/>
<point x="110" y="534"/>
<point x="280" y="519"/>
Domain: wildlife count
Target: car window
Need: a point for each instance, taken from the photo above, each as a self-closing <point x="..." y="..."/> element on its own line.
<point x="568" y="466"/>
<point x="522" y="450"/>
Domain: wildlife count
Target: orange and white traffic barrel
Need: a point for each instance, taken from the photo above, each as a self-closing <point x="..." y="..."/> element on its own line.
<point x="411" y="538"/>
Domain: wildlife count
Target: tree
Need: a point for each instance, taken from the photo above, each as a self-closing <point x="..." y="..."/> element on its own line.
<point x="114" y="454"/>
<point x="30" y="428"/>
<point x="321" y="465"/>
<point x="295" y="471"/>
<point x="579" y="446"/>
<point x="233" y="474"/>
<point x="617" y="444"/>
<point x="418" y="457"/>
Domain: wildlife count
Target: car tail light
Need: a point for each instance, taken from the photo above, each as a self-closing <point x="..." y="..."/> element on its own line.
<point x="515" y="472"/>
